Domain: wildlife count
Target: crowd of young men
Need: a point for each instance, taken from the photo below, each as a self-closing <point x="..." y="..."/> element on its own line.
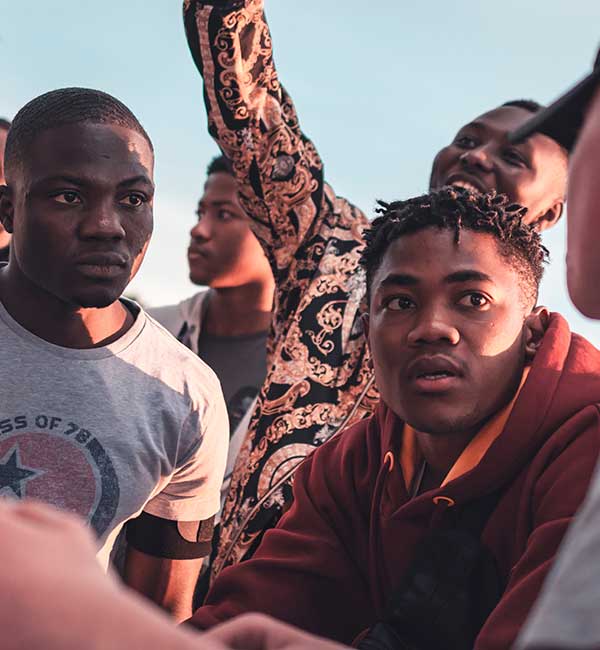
<point x="410" y="435"/>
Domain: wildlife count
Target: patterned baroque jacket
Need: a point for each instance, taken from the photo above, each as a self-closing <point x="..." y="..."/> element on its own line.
<point x="320" y="378"/>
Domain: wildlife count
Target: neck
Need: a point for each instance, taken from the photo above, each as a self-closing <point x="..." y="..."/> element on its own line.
<point x="241" y="310"/>
<point x="56" y="321"/>
<point x="442" y="451"/>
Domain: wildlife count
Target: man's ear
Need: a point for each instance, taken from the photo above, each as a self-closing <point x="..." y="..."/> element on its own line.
<point x="6" y="208"/>
<point x="536" y="325"/>
<point x="365" y="323"/>
<point x="551" y="216"/>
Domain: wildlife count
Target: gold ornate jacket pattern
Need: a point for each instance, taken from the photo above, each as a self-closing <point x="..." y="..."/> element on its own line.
<point x="320" y="376"/>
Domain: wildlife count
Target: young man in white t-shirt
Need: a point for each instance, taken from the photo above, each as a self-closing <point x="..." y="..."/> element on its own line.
<point x="102" y="412"/>
<point x="227" y="324"/>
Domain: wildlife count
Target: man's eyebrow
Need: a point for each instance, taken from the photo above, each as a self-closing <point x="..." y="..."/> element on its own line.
<point x="134" y="180"/>
<point x="468" y="275"/>
<point x="399" y="279"/>
<point x="218" y="204"/>
<point x="77" y="180"/>
<point x="473" y="125"/>
<point x="63" y="178"/>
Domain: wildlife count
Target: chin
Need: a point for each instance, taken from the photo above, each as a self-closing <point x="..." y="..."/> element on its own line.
<point x="441" y="423"/>
<point x="200" y="279"/>
<point x="97" y="298"/>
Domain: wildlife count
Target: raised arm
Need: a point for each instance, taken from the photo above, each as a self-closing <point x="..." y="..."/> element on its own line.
<point x="319" y="366"/>
<point x="255" y="124"/>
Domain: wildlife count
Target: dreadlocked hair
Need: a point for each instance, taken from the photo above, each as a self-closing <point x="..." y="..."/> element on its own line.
<point x="457" y="209"/>
<point x="61" y="107"/>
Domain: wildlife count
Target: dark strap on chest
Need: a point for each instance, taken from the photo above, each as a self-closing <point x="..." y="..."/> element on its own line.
<point x="449" y="589"/>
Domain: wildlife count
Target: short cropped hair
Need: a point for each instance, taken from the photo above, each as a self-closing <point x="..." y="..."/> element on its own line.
<point x="4" y="124"/>
<point x="61" y="107"/>
<point x="219" y="164"/>
<point x="528" y="104"/>
<point x="457" y="209"/>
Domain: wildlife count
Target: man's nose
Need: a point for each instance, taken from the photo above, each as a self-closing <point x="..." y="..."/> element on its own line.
<point x="478" y="157"/>
<point x="433" y="326"/>
<point x="103" y="221"/>
<point x="201" y="229"/>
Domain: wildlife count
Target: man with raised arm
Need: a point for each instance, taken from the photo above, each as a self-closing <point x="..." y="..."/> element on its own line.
<point x="321" y="378"/>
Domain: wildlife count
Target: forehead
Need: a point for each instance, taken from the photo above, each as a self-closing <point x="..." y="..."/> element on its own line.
<point x="504" y="118"/>
<point x="220" y="186"/>
<point x="499" y="122"/>
<point x="95" y="151"/>
<point x="432" y="254"/>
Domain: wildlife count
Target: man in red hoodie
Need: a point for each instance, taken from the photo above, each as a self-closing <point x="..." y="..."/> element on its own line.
<point x="487" y="428"/>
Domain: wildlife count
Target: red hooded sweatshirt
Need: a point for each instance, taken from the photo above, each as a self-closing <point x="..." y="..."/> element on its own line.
<point x="336" y="557"/>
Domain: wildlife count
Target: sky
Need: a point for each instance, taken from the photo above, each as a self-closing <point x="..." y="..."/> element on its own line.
<point x="380" y="87"/>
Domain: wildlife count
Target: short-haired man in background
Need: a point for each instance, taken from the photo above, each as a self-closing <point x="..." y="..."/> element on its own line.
<point x="102" y="412"/>
<point x="438" y="517"/>
<point x="228" y="324"/>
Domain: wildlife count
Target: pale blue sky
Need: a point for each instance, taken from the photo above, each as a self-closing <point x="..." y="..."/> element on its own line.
<point x="380" y="86"/>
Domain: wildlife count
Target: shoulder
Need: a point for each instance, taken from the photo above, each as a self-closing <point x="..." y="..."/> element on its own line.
<point x="353" y="453"/>
<point x="346" y="211"/>
<point x="564" y="466"/>
<point x="172" y="317"/>
<point x="177" y="367"/>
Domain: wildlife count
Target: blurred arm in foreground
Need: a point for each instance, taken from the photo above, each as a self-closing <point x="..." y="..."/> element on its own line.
<point x="75" y="605"/>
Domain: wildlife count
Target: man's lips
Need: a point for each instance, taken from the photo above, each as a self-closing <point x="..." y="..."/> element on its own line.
<point x="103" y="259"/>
<point x="195" y="253"/>
<point x="103" y="265"/>
<point x="467" y="181"/>
<point x="434" y="374"/>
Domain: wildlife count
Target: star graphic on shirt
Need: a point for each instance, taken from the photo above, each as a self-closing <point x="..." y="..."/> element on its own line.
<point x="13" y="475"/>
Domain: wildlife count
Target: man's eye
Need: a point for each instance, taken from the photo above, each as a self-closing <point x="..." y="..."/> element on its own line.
<point x="133" y="200"/>
<point x="225" y="215"/>
<point x="69" y="198"/>
<point x="475" y="300"/>
<point x="465" y="142"/>
<point x="514" y="158"/>
<point x="399" y="303"/>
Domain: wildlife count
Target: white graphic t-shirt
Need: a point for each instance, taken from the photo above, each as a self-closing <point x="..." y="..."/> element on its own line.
<point x="137" y="425"/>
